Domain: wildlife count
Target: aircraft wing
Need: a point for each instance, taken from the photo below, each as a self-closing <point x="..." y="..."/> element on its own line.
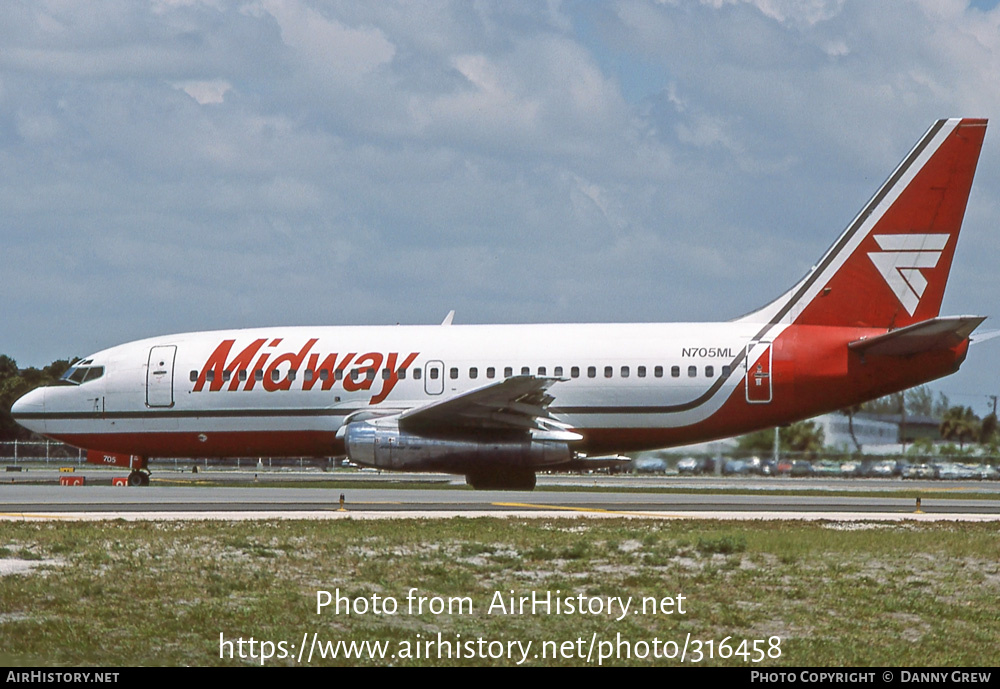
<point x="934" y="333"/>
<point x="518" y="404"/>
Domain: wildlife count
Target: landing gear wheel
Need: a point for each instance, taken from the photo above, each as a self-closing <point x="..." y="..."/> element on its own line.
<point x="138" y="478"/>
<point x="502" y="479"/>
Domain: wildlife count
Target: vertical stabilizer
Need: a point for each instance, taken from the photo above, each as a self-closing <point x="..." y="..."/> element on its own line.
<point x="890" y="266"/>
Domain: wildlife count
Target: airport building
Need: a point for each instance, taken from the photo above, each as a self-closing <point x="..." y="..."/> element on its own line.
<point x="876" y="434"/>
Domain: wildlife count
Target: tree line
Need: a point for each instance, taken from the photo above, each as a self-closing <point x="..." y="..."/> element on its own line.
<point x="15" y="382"/>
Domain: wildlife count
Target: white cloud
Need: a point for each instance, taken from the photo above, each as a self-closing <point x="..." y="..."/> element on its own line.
<point x="410" y="158"/>
<point x="205" y="92"/>
<point x="332" y="49"/>
<point x="799" y="12"/>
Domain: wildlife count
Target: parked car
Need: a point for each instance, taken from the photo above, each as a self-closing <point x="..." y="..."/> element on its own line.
<point x="922" y="470"/>
<point x="850" y="468"/>
<point x="801" y="467"/>
<point x="966" y="471"/>
<point x="828" y="468"/>
<point x="948" y="471"/>
<point x="882" y="469"/>
<point x="989" y="472"/>
<point x="761" y="467"/>
<point x="690" y="466"/>
<point x="732" y="467"/>
<point x="649" y="465"/>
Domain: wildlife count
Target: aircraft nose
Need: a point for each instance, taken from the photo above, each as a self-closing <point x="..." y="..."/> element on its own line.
<point x="26" y="406"/>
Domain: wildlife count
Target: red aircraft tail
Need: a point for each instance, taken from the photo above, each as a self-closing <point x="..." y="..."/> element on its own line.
<point x="890" y="266"/>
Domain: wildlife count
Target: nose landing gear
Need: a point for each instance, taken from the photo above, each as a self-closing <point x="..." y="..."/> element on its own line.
<point x="140" y="471"/>
<point x="138" y="478"/>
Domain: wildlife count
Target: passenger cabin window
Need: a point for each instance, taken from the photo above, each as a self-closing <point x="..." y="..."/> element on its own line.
<point x="591" y="371"/>
<point x="258" y="375"/>
<point x="401" y="374"/>
<point x="574" y="372"/>
<point x="434" y="374"/>
<point x="608" y="371"/>
<point x="541" y="370"/>
<point x="453" y="373"/>
<point x="386" y="373"/>
<point x="658" y="371"/>
<point x="624" y="371"/>
<point x="557" y="371"/>
<point x="491" y="372"/>
<point x="709" y="371"/>
<point x="641" y="371"/>
<point x="525" y="370"/>
<point x="473" y="373"/>
<point x="416" y="374"/>
<point x="692" y="371"/>
<point x="726" y="370"/>
<point x="194" y="376"/>
<point x="675" y="371"/>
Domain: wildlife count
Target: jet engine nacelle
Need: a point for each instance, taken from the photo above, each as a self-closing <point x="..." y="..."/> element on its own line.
<point x="379" y="443"/>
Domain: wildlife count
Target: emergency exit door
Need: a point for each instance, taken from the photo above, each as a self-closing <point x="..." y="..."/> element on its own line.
<point x="434" y="378"/>
<point x="758" y="372"/>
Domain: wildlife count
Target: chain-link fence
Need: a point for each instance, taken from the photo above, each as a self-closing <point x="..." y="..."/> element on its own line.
<point x="33" y="451"/>
<point x="825" y="464"/>
<point x="49" y="452"/>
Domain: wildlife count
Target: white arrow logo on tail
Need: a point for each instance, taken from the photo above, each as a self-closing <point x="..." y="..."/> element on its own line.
<point x="901" y="259"/>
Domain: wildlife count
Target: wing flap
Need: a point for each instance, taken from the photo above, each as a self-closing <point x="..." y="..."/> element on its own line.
<point x="516" y="404"/>
<point x="926" y="336"/>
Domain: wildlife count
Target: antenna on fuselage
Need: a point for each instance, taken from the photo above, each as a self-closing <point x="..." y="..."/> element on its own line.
<point x="449" y="318"/>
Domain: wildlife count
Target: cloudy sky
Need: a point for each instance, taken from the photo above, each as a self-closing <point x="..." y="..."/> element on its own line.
<point x="185" y="165"/>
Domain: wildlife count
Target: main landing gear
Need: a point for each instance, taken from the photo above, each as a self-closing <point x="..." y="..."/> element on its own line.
<point x="502" y="479"/>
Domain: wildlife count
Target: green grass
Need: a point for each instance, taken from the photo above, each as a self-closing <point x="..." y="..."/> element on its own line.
<point x="134" y="593"/>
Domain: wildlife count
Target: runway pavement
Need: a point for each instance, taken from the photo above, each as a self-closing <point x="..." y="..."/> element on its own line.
<point x="180" y="497"/>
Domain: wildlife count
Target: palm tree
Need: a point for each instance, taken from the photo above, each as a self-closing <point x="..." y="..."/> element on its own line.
<point x="961" y="424"/>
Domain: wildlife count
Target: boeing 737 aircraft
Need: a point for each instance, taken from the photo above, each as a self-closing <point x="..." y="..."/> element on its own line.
<point x="498" y="403"/>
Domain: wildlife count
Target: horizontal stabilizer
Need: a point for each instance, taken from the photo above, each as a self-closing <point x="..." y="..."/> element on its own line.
<point x="983" y="337"/>
<point x="926" y="336"/>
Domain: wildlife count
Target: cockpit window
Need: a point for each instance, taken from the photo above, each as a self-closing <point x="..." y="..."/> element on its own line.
<point x="78" y="375"/>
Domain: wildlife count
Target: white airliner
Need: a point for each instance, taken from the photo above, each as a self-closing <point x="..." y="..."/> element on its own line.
<point x="498" y="403"/>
